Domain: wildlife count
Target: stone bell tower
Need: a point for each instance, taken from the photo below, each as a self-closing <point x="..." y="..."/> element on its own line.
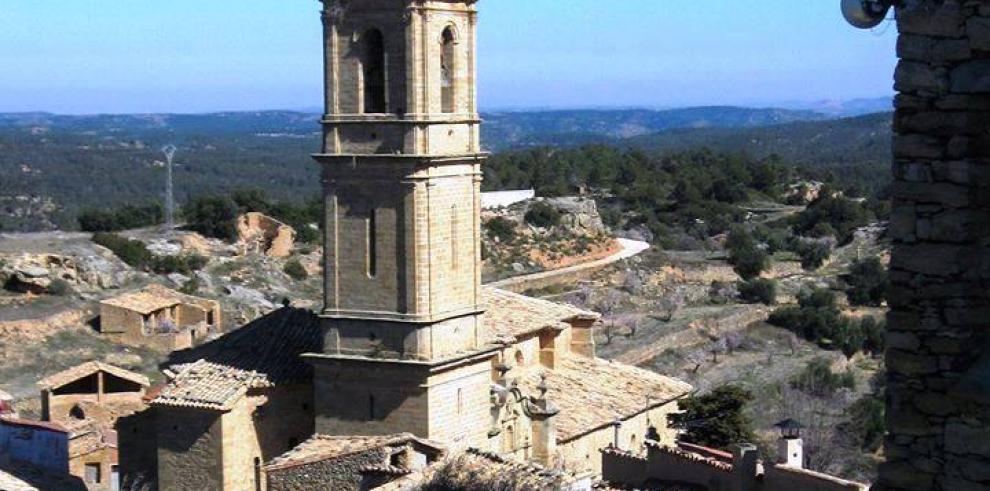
<point x="402" y="178"/>
<point x="401" y="169"/>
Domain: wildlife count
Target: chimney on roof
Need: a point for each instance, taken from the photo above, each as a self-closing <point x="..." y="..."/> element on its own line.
<point x="790" y="446"/>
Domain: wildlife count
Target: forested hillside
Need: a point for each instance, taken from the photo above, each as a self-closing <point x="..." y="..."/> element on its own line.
<point x="55" y="166"/>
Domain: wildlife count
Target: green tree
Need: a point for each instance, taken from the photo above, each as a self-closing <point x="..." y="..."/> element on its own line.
<point x="745" y="256"/>
<point x="868" y="282"/>
<point x="814" y="254"/>
<point x="758" y="290"/>
<point x="212" y="216"/>
<point x="716" y="419"/>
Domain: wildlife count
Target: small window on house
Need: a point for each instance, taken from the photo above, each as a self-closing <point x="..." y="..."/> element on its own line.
<point x="77" y="412"/>
<point x="373" y="71"/>
<point x="371" y="252"/>
<point x="93" y="474"/>
<point x="448" y="71"/>
<point x="520" y="361"/>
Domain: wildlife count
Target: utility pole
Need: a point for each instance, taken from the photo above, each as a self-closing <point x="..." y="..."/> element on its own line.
<point x="169" y="151"/>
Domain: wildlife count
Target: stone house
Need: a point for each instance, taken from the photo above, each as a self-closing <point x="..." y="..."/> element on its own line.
<point x="159" y="318"/>
<point x="351" y="462"/>
<point x="231" y="405"/>
<point x="93" y="391"/>
<point x="87" y="400"/>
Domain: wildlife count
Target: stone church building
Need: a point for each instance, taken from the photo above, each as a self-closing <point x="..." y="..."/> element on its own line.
<point x="408" y="341"/>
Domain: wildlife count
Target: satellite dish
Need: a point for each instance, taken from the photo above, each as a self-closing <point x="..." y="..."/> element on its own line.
<point x="865" y="14"/>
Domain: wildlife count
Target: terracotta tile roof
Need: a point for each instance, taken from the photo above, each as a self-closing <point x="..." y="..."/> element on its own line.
<point x="514" y="315"/>
<point x="263" y="353"/>
<point x="153" y="298"/>
<point x="27" y="423"/>
<point x="79" y="371"/>
<point x="478" y="466"/>
<point x="692" y="457"/>
<point x="592" y="393"/>
<point x="325" y="447"/>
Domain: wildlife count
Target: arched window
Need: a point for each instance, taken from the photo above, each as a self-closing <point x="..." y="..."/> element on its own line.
<point x="520" y="360"/>
<point x="448" y="70"/>
<point x="77" y="412"/>
<point x="373" y="71"/>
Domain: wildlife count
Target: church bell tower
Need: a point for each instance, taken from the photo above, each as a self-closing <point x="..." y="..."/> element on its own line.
<point x="404" y="342"/>
<point x="401" y="168"/>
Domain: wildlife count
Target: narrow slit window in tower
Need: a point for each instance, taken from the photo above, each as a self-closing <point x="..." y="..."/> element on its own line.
<point x="372" y="243"/>
<point x="453" y="237"/>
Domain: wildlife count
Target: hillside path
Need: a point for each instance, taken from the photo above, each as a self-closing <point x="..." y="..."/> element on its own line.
<point x="629" y="249"/>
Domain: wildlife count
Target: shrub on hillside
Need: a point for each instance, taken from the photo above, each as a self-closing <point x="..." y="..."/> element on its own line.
<point x="819" y="380"/>
<point x="814" y="254"/>
<point x="124" y="218"/>
<point x="213" y="217"/>
<point x="542" y="215"/>
<point x="758" y="290"/>
<point x="832" y="216"/>
<point x="295" y="270"/>
<point x="501" y="228"/>
<point x="132" y="252"/>
<point x="816" y="318"/>
<point x="747" y="259"/>
<point x="867" y="282"/>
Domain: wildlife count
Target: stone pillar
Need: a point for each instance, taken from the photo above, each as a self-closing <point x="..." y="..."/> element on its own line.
<point x="745" y="460"/>
<point x="938" y="401"/>
<point x="542" y="412"/>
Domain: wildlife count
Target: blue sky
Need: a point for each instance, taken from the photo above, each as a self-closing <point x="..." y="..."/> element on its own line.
<point x="103" y="56"/>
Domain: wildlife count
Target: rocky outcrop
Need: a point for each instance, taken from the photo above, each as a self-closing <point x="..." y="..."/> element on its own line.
<point x="35" y="273"/>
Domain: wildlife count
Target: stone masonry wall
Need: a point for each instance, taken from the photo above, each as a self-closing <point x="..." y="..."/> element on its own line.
<point x="939" y="419"/>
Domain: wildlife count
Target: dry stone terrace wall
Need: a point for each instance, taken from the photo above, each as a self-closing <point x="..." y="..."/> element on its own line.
<point x="938" y="359"/>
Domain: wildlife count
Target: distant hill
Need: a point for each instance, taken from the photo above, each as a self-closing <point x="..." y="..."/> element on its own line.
<point x="838" y="142"/>
<point x="54" y="165"/>
<point x="526" y="129"/>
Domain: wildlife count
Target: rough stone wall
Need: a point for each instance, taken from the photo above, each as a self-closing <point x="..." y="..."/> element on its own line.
<point x="189" y="449"/>
<point x="137" y="444"/>
<point x="938" y="422"/>
<point x="343" y="474"/>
